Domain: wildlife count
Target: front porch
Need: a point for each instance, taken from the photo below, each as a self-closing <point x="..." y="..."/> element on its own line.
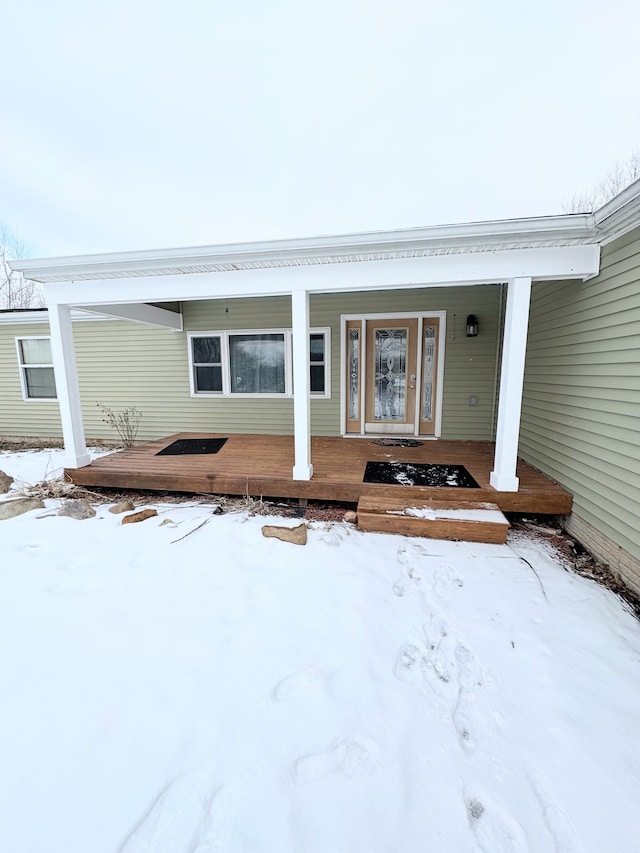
<point x="261" y="466"/>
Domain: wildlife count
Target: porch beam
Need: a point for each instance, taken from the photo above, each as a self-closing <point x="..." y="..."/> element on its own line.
<point x="514" y="347"/>
<point x="67" y="387"/>
<point x="302" y="468"/>
<point x="554" y="263"/>
<point x="141" y="313"/>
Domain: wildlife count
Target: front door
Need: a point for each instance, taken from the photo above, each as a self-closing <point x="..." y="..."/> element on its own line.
<point x="391" y="365"/>
<point x="391" y="373"/>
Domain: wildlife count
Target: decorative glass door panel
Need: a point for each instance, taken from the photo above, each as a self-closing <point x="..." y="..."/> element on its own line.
<point x="353" y="378"/>
<point x="389" y="390"/>
<point x="428" y="378"/>
<point x="391" y="376"/>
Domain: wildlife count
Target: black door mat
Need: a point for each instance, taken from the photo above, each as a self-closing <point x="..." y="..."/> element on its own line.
<point x="397" y="442"/>
<point x="406" y="474"/>
<point x="192" y="447"/>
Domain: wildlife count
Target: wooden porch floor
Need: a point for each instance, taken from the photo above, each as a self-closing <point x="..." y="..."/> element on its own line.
<point x="261" y="466"/>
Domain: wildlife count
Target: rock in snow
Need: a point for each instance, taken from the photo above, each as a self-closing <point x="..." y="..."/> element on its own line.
<point x="75" y="508"/>
<point x="123" y="506"/>
<point x="295" y="535"/>
<point x="139" y="516"/>
<point x="5" y="483"/>
<point x="11" y="509"/>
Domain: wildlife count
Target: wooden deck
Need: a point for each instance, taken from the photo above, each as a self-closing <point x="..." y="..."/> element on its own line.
<point x="261" y="465"/>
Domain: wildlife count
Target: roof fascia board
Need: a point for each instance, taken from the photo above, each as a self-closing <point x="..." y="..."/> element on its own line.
<point x="555" y="263"/>
<point x="24" y="317"/>
<point x="577" y="227"/>
<point x="11" y="318"/>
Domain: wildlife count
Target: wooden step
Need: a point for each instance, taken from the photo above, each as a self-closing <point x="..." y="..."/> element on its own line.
<point x="469" y="521"/>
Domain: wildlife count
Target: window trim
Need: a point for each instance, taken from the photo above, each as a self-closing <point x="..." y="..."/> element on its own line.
<point x="225" y="334"/>
<point x="22" y="367"/>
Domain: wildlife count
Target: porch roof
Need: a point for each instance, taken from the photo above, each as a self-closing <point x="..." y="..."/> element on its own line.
<point x="616" y="217"/>
<point x="493" y="236"/>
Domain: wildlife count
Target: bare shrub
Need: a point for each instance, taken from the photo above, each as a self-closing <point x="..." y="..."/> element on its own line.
<point x="124" y="421"/>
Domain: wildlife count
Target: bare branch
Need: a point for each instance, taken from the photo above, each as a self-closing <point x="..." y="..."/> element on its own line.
<point x="618" y="178"/>
<point x="16" y="291"/>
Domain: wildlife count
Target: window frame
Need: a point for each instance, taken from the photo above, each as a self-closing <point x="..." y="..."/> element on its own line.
<point x="225" y="334"/>
<point x="193" y="365"/>
<point x="22" y="367"/>
<point x="325" y="331"/>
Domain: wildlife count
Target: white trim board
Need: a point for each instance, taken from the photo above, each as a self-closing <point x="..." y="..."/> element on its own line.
<point x="556" y="264"/>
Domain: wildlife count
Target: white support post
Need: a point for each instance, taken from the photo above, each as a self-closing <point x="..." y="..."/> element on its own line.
<point x="67" y="388"/>
<point x="302" y="468"/>
<point x="514" y="347"/>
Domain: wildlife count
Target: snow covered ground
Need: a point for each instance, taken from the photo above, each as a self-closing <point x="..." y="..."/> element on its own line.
<point x="362" y="694"/>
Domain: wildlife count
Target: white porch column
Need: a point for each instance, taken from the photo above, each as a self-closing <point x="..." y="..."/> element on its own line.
<point x="67" y="388"/>
<point x="302" y="468"/>
<point x="514" y="347"/>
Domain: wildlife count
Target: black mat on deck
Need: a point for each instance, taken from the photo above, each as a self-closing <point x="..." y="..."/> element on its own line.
<point x="397" y="442"/>
<point x="192" y="447"/>
<point x="406" y="474"/>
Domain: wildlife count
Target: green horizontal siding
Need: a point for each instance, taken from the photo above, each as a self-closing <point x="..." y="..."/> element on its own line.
<point x="17" y="416"/>
<point x="470" y="363"/>
<point x="581" y="406"/>
<point x="122" y="364"/>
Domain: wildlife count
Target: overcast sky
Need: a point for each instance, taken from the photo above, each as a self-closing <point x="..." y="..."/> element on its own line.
<point x="134" y="125"/>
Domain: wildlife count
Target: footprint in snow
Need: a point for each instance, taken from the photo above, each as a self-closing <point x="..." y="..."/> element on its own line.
<point x="433" y="662"/>
<point x="190" y="815"/>
<point x="411" y="573"/>
<point x="464" y="719"/>
<point x="348" y="758"/>
<point x="556" y="819"/>
<point x="296" y="684"/>
<point x="445" y="582"/>
<point x="439" y="663"/>
<point x="409" y="663"/>
<point x="406" y="581"/>
<point x="494" y="829"/>
<point x="330" y="534"/>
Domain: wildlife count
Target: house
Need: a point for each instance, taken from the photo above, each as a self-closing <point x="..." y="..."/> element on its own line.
<point x="521" y="332"/>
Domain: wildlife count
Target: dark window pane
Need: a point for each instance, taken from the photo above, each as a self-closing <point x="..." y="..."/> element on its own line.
<point x="206" y="350"/>
<point x="316" y="347"/>
<point x="40" y="382"/>
<point x="257" y="364"/>
<point x="317" y="378"/>
<point x="209" y="379"/>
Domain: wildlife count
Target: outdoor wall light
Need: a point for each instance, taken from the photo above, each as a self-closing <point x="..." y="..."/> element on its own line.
<point x="472" y="326"/>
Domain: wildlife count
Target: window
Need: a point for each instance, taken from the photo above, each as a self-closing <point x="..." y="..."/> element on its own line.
<point x="317" y="352"/>
<point x="257" y="363"/>
<point x="207" y="364"/>
<point x="247" y="363"/>
<point x="36" y="368"/>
